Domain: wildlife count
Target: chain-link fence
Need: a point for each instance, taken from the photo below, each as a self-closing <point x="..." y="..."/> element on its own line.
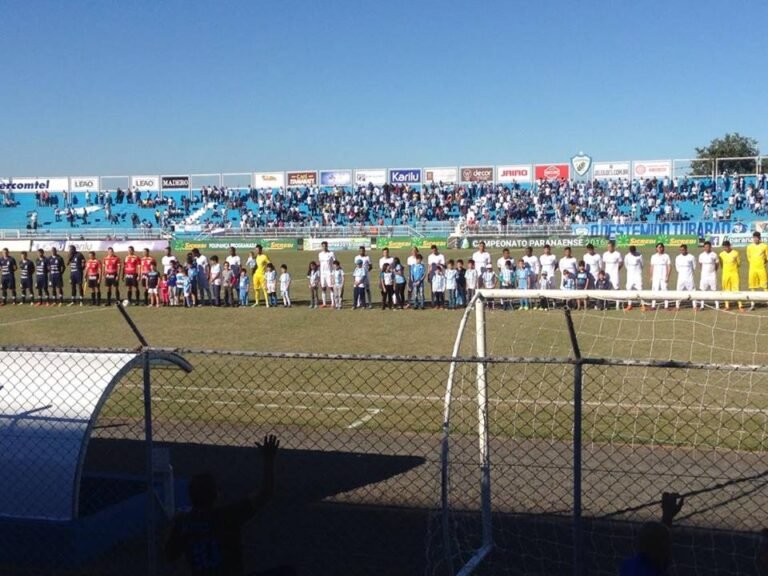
<point x="98" y="448"/>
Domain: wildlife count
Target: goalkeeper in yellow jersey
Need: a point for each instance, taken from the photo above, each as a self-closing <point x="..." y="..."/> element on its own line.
<point x="258" y="263"/>
<point x="757" y="256"/>
<point x="730" y="262"/>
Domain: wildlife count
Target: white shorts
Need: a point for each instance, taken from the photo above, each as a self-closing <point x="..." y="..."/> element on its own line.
<point x="152" y="291"/>
<point x="708" y="282"/>
<point x="685" y="284"/>
<point x="325" y="280"/>
<point x="634" y="282"/>
<point x="659" y="284"/>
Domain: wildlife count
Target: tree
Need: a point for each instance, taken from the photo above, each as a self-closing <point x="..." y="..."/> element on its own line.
<point x="729" y="146"/>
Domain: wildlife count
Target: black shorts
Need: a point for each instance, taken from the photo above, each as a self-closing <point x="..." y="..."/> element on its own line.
<point x="93" y="282"/>
<point x="41" y="282"/>
<point x="57" y="281"/>
<point x="111" y="280"/>
<point x="193" y="285"/>
<point x="75" y="279"/>
<point x="26" y="283"/>
<point x="8" y="283"/>
<point x="131" y="280"/>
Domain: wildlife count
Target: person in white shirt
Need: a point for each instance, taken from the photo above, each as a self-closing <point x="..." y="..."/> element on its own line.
<point x="594" y="263"/>
<point x="532" y="262"/>
<point x="234" y="261"/>
<point x="709" y="262"/>
<point x="385" y="259"/>
<point x="410" y="263"/>
<point x="567" y="263"/>
<point x="285" y="286"/>
<point x="633" y="264"/>
<point x="501" y="263"/>
<point x="612" y="263"/>
<point x="548" y="264"/>
<point x="685" y="266"/>
<point x="368" y="266"/>
<point x="167" y="261"/>
<point x="471" y="277"/>
<point x="434" y="260"/>
<point x="481" y="258"/>
<point x="326" y="259"/>
<point x="661" y="266"/>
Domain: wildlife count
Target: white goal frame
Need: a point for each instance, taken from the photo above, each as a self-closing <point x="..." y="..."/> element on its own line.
<point x="478" y="305"/>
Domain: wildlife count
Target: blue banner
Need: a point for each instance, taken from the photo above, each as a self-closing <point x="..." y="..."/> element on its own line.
<point x="405" y="176"/>
<point x="702" y="229"/>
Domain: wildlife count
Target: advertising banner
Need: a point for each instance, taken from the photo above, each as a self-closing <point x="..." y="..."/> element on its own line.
<point x="145" y="182"/>
<point x="34" y="184"/>
<point x="175" y="183"/>
<point x="245" y="244"/>
<point x="477" y="174"/>
<point x="306" y="178"/>
<point x="336" y="178"/>
<point x="374" y="176"/>
<point x="405" y="176"/>
<point x="48" y="243"/>
<point x="15" y="245"/>
<point x="626" y="240"/>
<point x="552" y="171"/>
<point x="501" y="242"/>
<point x="84" y="184"/>
<point x="514" y="173"/>
<point x="744" y="239"/>
<point x="311" y="244"/>
<point x="117" y="245"/>
<point x="406" y="243"/>
<point x="692" y="228"/>
<point x="610" y="170"/>
<point x="269" y="180"/>
<point x="444" y="175"/>
<point x="652" y="169"/>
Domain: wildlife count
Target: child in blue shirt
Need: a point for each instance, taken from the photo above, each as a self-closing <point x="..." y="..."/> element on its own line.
<point x="523" y="280"/>
<point x="245" y="284"/>
<point x="418" y="272"/>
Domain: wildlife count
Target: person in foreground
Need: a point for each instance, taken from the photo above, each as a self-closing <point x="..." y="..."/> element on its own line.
<point x="654" y="542"/>
<point x="210" y="536"/>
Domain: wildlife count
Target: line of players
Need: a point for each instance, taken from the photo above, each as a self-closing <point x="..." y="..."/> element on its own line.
<point x="41" y="281"/>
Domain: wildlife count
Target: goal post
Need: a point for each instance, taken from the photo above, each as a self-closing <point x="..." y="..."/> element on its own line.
<point x="521" y="404"/>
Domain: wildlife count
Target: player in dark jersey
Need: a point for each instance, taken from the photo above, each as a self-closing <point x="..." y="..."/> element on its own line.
<point x="153" y="286"/>
<point x="41" y="279"/>
<point x="131" y="274"/>
<point x="111" y="270"/>
<point x="76" y="269"/>
<point x="56" y="267"/>
<point x="8" y="276"/>
<point x="146" y="265"/>
<point x="26" y="274"/>
<point x="93" y="278"/>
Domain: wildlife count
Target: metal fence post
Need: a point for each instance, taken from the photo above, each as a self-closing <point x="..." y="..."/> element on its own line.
<point x="578" y="555"/>
<point x="150" y="511"/>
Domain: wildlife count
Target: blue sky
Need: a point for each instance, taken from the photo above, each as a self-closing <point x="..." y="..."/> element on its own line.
<point x="119" y="87"/>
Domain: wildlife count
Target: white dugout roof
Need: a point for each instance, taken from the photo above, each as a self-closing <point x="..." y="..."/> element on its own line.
<point x="49" y="403"/>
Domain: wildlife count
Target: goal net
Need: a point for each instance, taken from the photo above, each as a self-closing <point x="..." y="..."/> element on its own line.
<point x="568" y="413"/>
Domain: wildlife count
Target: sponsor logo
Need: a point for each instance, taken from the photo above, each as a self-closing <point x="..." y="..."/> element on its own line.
<point x="25" y="185"/>
<point x="602" y="171"/>
<point x="581" y="164"/>
<point x="445" y="175"/>
<point x="84" y="184"/>
<point x="552" y="171"/>
<point x="581" y="231"/>
<point x="700" y="229"/>
<point x="405" y="176"/>
<point x="514" y="173"/>
<point x="149" y="182"/>
<point x="174" y="182"/>
<point x="477" y="174"/>
<point x="302" y="178"/>
<point x="375" y="176"/>
<point x="335" y="177"/>
<point x="268" y="180"/>
<point x="658" y="169"/>
<point x="739" y="228"/>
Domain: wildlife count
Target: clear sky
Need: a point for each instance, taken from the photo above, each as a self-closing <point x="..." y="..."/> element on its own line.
<point x="120" y="87"/>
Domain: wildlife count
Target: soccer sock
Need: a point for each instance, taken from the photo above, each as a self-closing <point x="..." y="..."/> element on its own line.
<point x="323" y="297"/>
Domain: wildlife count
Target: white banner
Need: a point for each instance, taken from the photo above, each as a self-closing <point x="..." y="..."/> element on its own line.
<point x="47" y="244"/>
<point x="610" y="170"/>
<point x="15" y="245"/>
<point x="652" y="169"/>
<point x="336" y="243"/>
<point x="269" y="180"/>
<point x="117" y="245"/>
<point x="84" y="184"/>
<point x="34" y="184"/>
<point x="514" y="173"/>
<point x="375" y="176"/>
<point x="145" y="182"/>
<point x="444" y="175"/>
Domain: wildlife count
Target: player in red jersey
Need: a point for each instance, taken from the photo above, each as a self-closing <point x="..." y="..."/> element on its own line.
<point x="112" y="275"/>
<point x="93" y="278"/>
<point x="131" y="274"/>
<point x="147" y="261"/>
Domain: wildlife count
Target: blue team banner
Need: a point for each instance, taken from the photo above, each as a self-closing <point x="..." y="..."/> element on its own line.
<point x="335" y="177"/>
<point x="405" y="176"/>
<point x="702" y="229"/>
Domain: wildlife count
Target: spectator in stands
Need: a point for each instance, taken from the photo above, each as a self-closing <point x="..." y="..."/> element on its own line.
<point x="654" y="542"/>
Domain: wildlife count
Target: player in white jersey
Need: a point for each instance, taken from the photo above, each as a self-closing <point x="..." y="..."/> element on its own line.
<point x="685" y="266"/>
<point x="633" y="264"/>
<point x="362" y="258"/>
<point x="594" y="263"/>
<point x="612" y="263"/>
<point x="548" y="264"/>
<point x="567" y="263"/>
<point x="326" y="259"/>
<point x="532" y="262"/>
<point x="501" y="263"/>
<point x="481" y="258"/>
<point x="709" y="262"/>
<point x="661" y="266"/>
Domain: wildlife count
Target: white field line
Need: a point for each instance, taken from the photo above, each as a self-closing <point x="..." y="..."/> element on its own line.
<point x="415" y="398"/>
<point x="66" y="315"/>
<point x="371" y="414"/>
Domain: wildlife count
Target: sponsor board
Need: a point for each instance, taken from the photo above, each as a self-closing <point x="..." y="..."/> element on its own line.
<point x="552" y="171"/>
<point x="514" y="173"/>
<point x="84" y="184"/>
<point x="336" y="177"/>
<point x="692" y="228"/>
<point x="373" y="176"/>
<point x="477" y="174"/>
<point x="405" y="176"/>
<point x="760" y="226"/>
<point x="145" y="182"/>
<point x="406" y="243"/>
<point x="337" y="243"/>
<point x="512" y="242"/>
<point x="15" y="245"/>
<point x="444" y="175"/>
<point x="34" y="184"/>
<point x="610" y="170"/>
<point x="269" y="180"/>
<point x="305" y="178"/>
<point x="268" y="244"/>
<point x="625" y="240"/>
<point x="581" y="163"/>
<point x="175" y="182"/>
<point x="734" y="239"/>
<point x="652" y="169"/>
<point x="116" y="245"/>
<point x="48" y="243"/>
